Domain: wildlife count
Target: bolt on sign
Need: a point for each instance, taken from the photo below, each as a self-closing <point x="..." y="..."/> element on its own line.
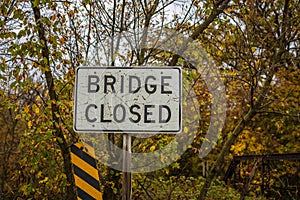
<point x="128" y="99"/>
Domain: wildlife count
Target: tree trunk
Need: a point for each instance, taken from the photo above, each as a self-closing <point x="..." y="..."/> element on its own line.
<point x="217" y="166"/>
<point x="71" y="191"/>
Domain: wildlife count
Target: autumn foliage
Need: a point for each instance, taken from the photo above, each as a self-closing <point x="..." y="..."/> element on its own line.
<point x="254" y="44"/>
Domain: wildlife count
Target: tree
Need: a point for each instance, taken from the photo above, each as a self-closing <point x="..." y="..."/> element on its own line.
<point x="266" y="45"/>
<point x="32" y="54"/>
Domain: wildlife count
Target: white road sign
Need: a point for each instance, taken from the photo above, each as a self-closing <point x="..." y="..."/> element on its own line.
<point x="126" y="99"/>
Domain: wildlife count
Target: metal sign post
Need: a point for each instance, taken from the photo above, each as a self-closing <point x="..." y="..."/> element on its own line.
<point x="127" y="179"/>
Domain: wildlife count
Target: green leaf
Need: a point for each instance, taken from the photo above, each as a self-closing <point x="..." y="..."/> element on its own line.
<point x="36" y="3"/>
<point x="3" y="77"/>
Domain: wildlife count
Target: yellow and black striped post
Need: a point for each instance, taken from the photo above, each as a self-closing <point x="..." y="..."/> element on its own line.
<point x="85" y="172"/>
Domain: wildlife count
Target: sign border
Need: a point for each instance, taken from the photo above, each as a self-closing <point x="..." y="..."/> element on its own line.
<point x="127" y="131"/>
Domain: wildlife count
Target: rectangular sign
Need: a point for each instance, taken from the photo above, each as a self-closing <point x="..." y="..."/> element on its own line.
<point x="128" y="99"/>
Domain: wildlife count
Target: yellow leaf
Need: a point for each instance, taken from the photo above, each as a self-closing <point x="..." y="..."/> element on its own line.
<point x="185" y="129"/>
<point x="39" y="174"/>
<point x="71" y="13"/>
<point x="44" y="180"/>
<point x="37" y="110"/>
<point x="152" y="148"/>
<point x="53" y="17"/>
<point x="62" y="40"/>
<point x="232" y="147"/>
<point x="29" y="124"/>
<point x="26" y="109"/>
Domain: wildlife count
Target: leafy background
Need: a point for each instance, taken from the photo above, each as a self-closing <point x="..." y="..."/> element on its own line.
<point x="255" y="45"/>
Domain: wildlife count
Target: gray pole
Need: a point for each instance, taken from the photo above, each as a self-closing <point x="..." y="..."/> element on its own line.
<point x="126" y="187"/>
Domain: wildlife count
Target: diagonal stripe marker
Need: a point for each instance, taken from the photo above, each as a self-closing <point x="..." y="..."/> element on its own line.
<point x="85" y="172"/>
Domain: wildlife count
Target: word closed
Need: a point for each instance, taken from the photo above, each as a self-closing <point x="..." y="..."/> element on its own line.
<point x="123" y="99"/>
